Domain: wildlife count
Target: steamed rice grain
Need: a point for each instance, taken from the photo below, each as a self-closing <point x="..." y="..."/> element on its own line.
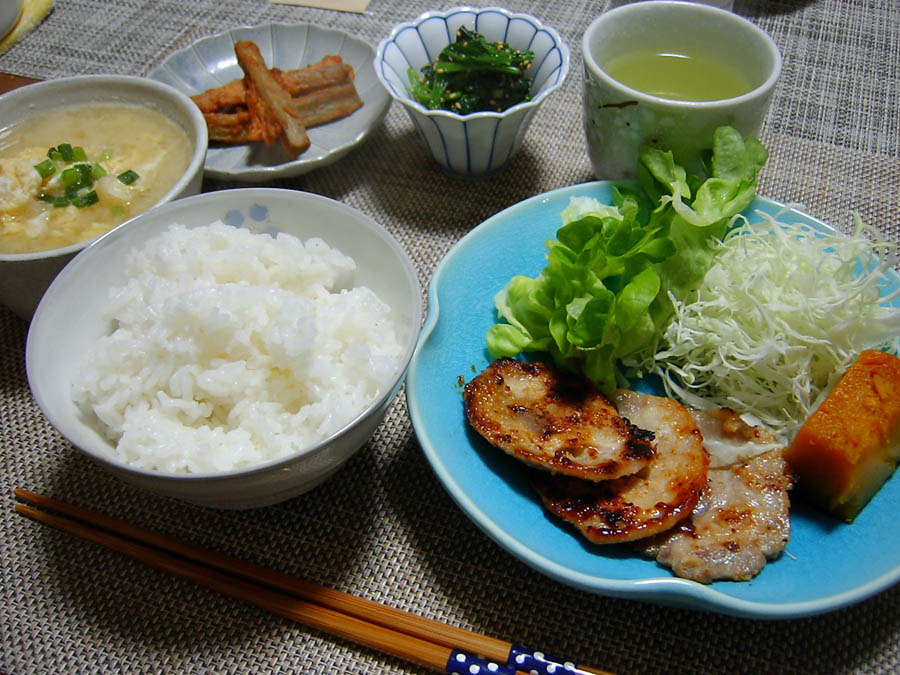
<point x="233" y="348"/>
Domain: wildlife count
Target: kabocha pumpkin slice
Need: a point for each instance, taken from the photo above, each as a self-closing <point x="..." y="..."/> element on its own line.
<point x="850" y="445"/>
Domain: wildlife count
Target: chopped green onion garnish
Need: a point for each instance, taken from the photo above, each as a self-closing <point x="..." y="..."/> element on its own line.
<point x="77" y="180"/>
<point x="76" y="177"/>
<point x="57" y="202"/>
<point x="46" y="168"/>
<point x="119" y="211"/>
<point x="69" y="176"/>
<point x="128" y="177"/>
<point x="86" y="199"/>
<point x="66" y="151"/>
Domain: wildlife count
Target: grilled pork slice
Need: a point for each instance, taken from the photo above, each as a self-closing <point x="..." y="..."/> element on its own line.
<point x="740" y="522"/>
<point x="653" y="501"/>
<point x="555" y="421"/>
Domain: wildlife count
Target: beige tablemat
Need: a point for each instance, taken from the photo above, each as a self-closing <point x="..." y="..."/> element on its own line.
<point x="338" y="5"/>
<point x="384" y="528"/>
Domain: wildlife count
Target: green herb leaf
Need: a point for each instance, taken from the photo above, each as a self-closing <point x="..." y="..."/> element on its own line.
<point x="603" y="297"/>
<point x="472" y="75"/>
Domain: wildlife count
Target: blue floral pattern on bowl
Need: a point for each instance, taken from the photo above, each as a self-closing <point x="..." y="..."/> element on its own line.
<point x="481" y="143"/>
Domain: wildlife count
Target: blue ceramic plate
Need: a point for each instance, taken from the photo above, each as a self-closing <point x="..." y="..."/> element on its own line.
<point x="826" y="565"/>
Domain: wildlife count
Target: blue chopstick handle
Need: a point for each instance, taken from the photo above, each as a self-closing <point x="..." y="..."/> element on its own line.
<point x="461" y="663"/>
<point x="522" y="658"/>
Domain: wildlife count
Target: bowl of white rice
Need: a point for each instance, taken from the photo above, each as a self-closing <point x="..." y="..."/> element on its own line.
<point x="232" y="349"/>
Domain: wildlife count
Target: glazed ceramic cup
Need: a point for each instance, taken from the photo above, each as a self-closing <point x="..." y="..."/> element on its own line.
<point x="620" y="120"/>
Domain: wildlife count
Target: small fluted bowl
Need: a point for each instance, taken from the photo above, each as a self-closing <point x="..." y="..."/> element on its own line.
<point x="477" y="144"/>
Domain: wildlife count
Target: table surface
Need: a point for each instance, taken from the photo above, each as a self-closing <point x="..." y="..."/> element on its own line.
<point x="383" y="527"/>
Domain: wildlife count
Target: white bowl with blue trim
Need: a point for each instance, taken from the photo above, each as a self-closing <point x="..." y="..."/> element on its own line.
<point x="72" y="316"/>
<point x="477" y="144"/>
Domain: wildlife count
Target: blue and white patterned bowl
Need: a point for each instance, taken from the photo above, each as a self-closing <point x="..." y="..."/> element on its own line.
<point x="480" y="143"/>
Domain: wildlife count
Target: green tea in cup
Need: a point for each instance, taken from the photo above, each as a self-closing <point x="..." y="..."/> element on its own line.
<point x="686" y="75"/>
<point x="667" y="74"/>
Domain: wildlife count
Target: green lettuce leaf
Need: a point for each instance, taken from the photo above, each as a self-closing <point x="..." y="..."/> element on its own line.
<point x="604" y="295"/>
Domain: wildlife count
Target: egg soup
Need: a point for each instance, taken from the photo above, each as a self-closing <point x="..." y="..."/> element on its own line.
<point x="71" y="174"/>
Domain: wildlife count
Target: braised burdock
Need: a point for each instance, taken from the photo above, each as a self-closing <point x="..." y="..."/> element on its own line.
<point x="272" y="105"/>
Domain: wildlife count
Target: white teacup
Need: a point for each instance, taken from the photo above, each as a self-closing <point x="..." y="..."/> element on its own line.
<point x="619" y="119"/>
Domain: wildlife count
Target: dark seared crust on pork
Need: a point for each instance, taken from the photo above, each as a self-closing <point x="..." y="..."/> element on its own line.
<point x="555" y="421"/>
<point x="639" y="506"/>
<point x="601" y="512"/>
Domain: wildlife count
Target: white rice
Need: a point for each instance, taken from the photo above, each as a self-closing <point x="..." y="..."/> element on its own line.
<point x="233" y="348"/>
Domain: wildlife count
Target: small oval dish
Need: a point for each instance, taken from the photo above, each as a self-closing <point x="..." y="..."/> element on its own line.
<point x="210" y="62"/>
<point x="477" y="144"/>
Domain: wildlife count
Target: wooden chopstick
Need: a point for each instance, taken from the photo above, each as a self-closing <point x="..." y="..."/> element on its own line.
<point x="417" y="651"/>
<point x="416" y="639"/>
<point x="8" y="82"/>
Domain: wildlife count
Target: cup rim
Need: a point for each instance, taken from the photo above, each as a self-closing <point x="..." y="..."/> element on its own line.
<point x="645" y="5"/>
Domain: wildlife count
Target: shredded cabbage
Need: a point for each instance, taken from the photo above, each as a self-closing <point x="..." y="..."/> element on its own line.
<point x="782" y="313"/>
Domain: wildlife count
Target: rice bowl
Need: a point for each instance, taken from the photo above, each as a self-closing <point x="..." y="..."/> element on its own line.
<point x="253" y="389"/>
<point x="239" y="363"/>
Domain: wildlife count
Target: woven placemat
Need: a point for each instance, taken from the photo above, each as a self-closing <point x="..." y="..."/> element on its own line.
<point x="383" y="527"/>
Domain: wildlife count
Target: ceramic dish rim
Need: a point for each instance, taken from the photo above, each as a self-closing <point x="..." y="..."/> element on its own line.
<point x="12" y="21"/>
